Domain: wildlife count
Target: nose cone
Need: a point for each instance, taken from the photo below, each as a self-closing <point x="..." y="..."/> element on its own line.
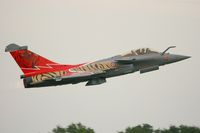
<point x="179" y="57"/>
<point x="174" y="58"/>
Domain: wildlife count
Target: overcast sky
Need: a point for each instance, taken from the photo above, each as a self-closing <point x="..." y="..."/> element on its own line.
<point x="76" y="31"/>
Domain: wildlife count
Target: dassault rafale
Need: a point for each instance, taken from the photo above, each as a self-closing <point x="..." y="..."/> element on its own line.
<point x="40" y="72"/>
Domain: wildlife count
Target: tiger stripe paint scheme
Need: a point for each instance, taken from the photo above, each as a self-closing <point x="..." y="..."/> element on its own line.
<point x="95" y="67"/>
<point x="40" y="72"/>
<point x="98" y="67"/>
<point x="47" y="76"/>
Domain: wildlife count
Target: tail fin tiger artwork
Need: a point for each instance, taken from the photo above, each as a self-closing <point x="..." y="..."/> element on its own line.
<point x="28" y="61"/>
<point x="31" y="63"/>
<point x="40" y="71"/>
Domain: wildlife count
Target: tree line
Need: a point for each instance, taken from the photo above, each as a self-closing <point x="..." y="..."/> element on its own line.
<point x="144" y="128"/>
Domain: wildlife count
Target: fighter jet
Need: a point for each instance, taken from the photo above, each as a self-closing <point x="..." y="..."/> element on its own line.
<point x="40" y="72"/>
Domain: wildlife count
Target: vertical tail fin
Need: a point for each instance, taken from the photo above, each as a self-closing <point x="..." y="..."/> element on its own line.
<point x="28" y="61"/>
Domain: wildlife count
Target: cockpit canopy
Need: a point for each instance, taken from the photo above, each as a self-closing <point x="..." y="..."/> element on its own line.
<point x="140" y="51"/>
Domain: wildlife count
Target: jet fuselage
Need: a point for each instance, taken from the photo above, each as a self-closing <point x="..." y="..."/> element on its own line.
<point x="39" y="71"/>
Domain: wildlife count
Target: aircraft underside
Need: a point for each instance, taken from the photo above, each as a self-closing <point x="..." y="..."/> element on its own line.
<point x="91" y="80"/>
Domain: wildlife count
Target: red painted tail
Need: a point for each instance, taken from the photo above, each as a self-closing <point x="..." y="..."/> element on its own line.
<point x="31" y="63"/>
